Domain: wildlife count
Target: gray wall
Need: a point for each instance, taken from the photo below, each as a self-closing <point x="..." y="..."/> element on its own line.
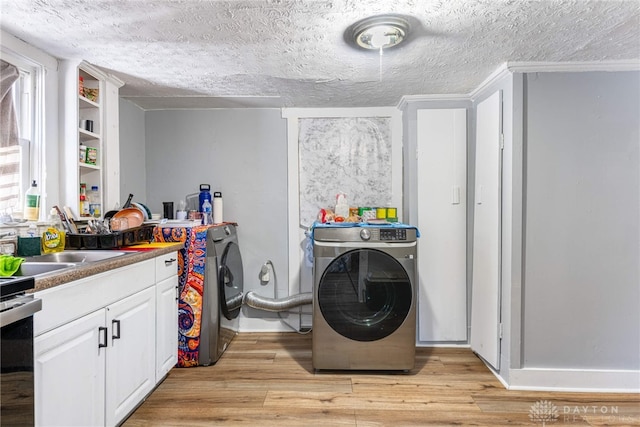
<point x="133" y="173"/>
<point x="582" y="182"/>
<point x="243" y="154"/>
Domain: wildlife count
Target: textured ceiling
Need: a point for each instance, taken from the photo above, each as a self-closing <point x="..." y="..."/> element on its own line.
<point x="292" y="53"/>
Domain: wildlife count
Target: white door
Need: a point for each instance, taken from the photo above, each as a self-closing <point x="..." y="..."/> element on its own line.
<point x="442" y="221"/>
<point x="131" y="353"/>
<point x="485" y="300"/>
<point x="166" y="326"/>
<point x="69" y="373"/>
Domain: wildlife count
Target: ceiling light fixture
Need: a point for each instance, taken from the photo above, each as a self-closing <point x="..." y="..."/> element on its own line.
<point x="380" y="32"/>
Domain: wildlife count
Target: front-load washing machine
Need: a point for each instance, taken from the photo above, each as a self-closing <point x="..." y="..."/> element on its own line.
<point x="222" y="296"/>
<point x="365" y="290"/>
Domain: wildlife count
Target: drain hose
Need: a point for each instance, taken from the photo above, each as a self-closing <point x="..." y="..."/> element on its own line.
<point x="270" y="304"/>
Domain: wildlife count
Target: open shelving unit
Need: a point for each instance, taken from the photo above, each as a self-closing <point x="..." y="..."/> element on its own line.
<point x="101" y="107"/>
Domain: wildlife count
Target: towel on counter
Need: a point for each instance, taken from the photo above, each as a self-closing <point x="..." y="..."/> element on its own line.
<point x="9" y="264"/>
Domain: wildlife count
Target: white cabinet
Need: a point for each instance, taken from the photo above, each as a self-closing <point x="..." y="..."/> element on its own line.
<point x="130" y="363"/>
<point x="166" y="314"/>
<point x="70" y="374"/>
<point x="89" y="120"/>
<point x="441" y="218"/>
<point x="102" y="341"/>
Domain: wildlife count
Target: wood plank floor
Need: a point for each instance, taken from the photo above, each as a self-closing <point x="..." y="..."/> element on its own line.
<point x="266" y="379"/>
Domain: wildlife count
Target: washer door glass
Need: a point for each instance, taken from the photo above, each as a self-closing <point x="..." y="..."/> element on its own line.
<point x="230" y="281"/>
<point x="365" y="294"/>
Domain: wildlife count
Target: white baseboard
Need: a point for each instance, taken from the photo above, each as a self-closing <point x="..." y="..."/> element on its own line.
<point x="575" y="380"/>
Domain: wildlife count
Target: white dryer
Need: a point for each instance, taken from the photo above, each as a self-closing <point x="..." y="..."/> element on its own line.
<point x="365" y="290"/>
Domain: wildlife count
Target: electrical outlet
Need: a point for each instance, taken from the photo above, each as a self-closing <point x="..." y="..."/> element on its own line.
<point x="264" y="274"/>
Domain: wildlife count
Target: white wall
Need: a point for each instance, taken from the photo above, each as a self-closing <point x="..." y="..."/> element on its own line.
<point x="133" y="169"/>
<point x="582" y="220"/>
<point x="243" y="154"/>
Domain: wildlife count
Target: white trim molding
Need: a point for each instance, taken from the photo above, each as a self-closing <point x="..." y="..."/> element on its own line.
<point x="575" y="380"/>
<point x="526" y="67"/>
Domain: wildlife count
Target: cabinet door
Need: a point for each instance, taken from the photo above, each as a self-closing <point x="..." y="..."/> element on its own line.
<point x="166" y="326"/>
<point x="131" y="353"/>
<point x="69" y="373"/>
<point x="485" y="295"/>
<point x="442" y="220"/>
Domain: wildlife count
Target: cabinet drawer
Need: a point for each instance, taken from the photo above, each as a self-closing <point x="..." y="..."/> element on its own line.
<point x="166" y="266"/>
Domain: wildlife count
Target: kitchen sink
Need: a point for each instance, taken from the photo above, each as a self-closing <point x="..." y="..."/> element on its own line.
<point x="76" y="257"/>
<point x="41" y="268"/>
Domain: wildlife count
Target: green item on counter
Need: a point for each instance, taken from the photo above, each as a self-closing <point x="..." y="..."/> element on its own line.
<point x="28" y="246"/>
<point x="9" y="264"/>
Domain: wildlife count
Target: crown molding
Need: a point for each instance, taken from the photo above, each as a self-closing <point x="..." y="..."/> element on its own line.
<point x="573" y="66"/>
<point x="406" y="99"/>
<point x="508" y="68"/>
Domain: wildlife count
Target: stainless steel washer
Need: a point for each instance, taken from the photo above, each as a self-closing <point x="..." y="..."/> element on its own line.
<point x="222" y="295"/>
<point x="365" y="290"/>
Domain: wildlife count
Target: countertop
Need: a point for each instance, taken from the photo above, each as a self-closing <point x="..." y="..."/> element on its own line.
<point x="81" y="271"/>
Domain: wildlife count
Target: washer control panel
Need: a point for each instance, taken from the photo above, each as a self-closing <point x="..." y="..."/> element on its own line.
<point x="393" y="234"/>
<point x="371" y="235"/>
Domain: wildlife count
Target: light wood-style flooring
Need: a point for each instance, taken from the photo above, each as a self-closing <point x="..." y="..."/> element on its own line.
<point x="266" y="379"/>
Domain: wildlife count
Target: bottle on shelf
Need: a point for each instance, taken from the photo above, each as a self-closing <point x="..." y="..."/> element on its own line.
<point x="85" y="210"/>
<point x="32" y="203"/>
<point x="94" y="202"/>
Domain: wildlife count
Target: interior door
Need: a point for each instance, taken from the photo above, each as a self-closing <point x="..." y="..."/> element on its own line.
<point x="485" y="300"/>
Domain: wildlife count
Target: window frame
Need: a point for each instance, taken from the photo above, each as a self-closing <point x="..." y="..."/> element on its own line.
<point x="29" y="102"/>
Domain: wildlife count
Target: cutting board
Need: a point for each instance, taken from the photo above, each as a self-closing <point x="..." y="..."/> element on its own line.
<point x="150" y="246"/>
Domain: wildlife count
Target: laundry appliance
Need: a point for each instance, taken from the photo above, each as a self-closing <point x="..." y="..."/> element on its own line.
<point x="365" y="291"/>
<point x="222" y="299"/>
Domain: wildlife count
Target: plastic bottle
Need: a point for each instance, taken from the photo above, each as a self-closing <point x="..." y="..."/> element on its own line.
<point x="94" y="202"/>
<point x="204" y="195"/>
<point x="53" y="238"/>
<point x="217" y="207"/>
<point x="206" y="213"/>
<point x="32" y="203"/>
<point x="84" y="201"/>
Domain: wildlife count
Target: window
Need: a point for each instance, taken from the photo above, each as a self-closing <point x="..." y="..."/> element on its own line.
<point x="18" y="153"/>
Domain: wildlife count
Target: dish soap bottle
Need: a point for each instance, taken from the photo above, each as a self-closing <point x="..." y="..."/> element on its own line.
<point x="32" y="203"/>
<point x="53" y="237"/>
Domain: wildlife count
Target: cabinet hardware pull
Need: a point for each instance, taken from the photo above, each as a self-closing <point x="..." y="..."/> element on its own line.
<point x="114" y="323"/>
<point x="169" y="261"/>
<point x="102" y="329"/>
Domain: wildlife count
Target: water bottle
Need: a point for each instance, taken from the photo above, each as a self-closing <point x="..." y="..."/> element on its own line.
<point x="206" y="213"/>
<point x="204" y="195"/>
<point x="217" y="207"/>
